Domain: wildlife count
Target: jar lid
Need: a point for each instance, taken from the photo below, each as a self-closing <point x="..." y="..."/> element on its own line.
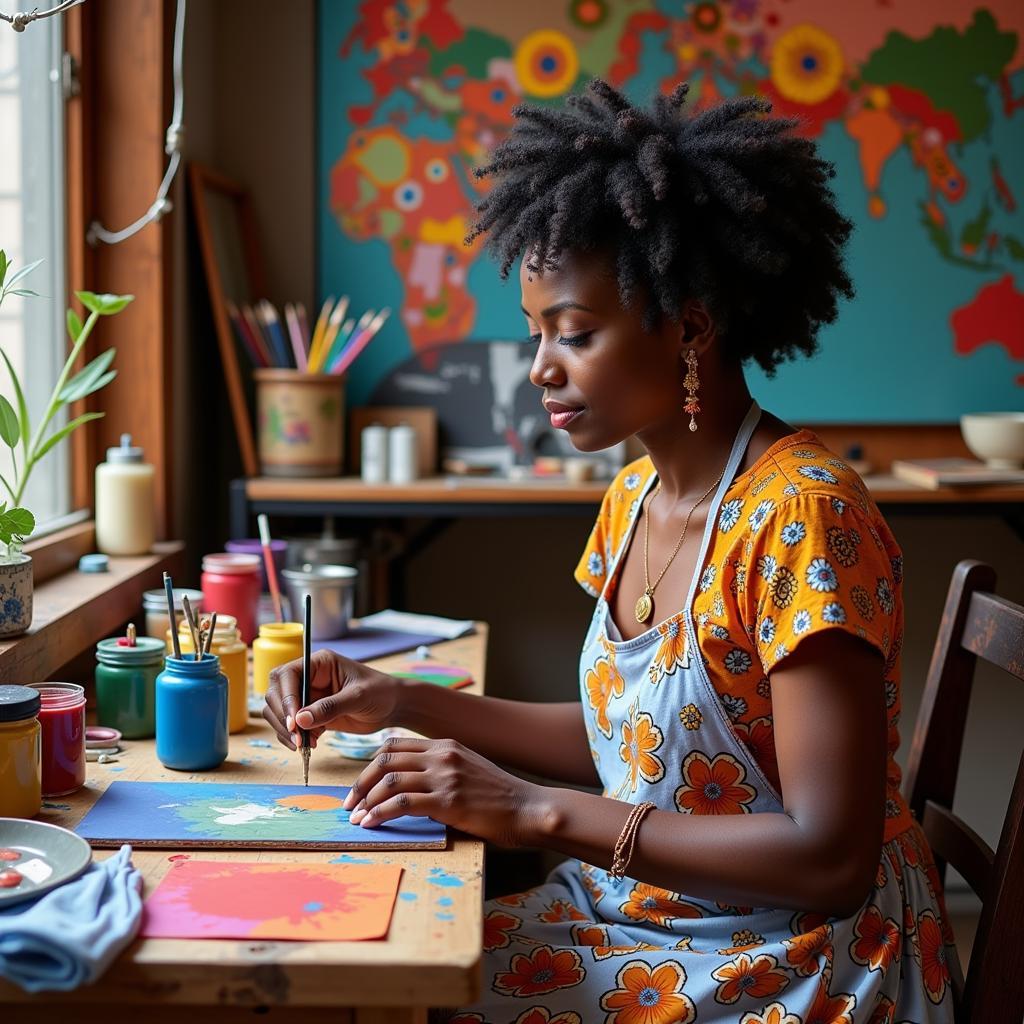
<point x="93" y="563"/>
<point x="281" y="630"/>
<point x="231" y="563"/>
<point x="321" y="575"/>
<point x="147" y="649"/>
<point x="156" y="600"/>
<point x="126" y="452"/>
<point x="18" y="703"/>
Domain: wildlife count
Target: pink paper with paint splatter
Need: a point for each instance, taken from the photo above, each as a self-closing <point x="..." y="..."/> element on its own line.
<point x="312" y="902"/>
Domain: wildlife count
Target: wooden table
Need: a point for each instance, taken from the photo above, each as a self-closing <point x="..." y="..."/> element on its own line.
<point x="430" y="957"/>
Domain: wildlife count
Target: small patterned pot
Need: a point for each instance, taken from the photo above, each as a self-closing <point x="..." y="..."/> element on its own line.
<point x="15" y="596"/>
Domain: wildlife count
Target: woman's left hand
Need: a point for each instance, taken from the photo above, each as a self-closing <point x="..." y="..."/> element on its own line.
<point x="448" y="782"/>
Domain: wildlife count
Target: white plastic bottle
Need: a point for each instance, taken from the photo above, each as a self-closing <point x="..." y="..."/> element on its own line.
<point x="125" y="513"/>
<point x="374" y="441"/>
<point x="402" y="454"/>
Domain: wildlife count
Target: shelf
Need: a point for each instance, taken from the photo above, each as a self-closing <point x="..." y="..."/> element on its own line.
<point x="74" y="610"/>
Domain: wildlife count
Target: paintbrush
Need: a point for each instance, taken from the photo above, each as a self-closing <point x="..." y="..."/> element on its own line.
<point x="268" y="564"/>
<point x="208" y="646"/>
<point x="197" y="647"/>
<point x="307" y="615"/>
<point x="171" y="617"/>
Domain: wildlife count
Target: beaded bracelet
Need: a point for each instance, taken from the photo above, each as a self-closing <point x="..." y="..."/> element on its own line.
<point x="623" y="852"/>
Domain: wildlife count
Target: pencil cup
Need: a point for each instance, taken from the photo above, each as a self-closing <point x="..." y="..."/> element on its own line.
<point x="301" y="422"/>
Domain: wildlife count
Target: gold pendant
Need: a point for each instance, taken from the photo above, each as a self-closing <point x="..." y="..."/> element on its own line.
<point x="644" y="607"/>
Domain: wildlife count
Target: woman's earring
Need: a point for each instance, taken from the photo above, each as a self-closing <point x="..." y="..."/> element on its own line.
<point x="692" y="384"/>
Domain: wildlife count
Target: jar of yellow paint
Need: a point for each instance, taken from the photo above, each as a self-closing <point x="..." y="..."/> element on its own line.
<point x="21" y="771"/>
<point x="234" y="663"/>
<point x="277" y="644"/>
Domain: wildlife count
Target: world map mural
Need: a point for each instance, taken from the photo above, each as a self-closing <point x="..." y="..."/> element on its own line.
<point x="920" y="106"/>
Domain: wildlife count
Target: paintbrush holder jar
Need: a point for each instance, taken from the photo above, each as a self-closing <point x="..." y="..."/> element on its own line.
<point x="231" y="586"/>
<point x="126" y="685"/>
<point x="301" y="422"/>
<point x="278" y="643"/>
<point x="234" y="663"/>
<point x="191" y="714"/>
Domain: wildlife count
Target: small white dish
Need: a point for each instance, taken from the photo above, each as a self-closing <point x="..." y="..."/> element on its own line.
<point x="997" y="438"/>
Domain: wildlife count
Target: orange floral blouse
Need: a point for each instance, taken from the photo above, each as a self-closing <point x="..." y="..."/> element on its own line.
<point x="799" y="547"/>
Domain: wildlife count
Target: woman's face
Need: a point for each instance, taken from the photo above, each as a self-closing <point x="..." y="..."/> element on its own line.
<point x="604" y="378"/>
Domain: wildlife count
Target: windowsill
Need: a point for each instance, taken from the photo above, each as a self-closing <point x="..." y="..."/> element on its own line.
<point x="73" y="610"/>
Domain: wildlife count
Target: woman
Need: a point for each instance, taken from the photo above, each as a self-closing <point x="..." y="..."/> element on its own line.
<point x="750" y="858"/>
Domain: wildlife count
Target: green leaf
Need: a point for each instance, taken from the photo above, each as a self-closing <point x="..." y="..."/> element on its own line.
<point x="55" y="439"/>
<point x="19" y="397"/>
<point x="81" y="384"/>
<point x="23" y="292"/>
<point x="19" y="274"/>
<point x="10" y="430"/>
<point x="3" y="267"/>
<point x="74" y="325"/>
<point x="104" y="305"/>
<point x="19" y="521"/>
<point x="100" y="382"/>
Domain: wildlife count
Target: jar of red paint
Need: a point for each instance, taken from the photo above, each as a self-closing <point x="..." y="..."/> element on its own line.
<point x="231" y="585"/>
<point x="62" y="718"/>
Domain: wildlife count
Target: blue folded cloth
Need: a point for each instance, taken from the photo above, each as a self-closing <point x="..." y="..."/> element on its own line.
<point x="70" y="935"/>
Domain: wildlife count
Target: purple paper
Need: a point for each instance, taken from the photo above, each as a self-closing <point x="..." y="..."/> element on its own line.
<point x="364" y="643"/>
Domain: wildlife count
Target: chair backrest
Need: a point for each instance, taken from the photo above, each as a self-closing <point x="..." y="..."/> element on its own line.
<point x="976" y="623"/>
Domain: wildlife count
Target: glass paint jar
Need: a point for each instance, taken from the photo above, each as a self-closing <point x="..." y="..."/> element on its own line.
<point x="231" y="586"/>
<point x="62" y="720"/>
<point x="126" y="685"/>
<point x="191" y="714"/>
<point x="20" y="753"/>
<point x="154" y="604"/>
<point x="234" y="663"/>
<point x="278" y="643"/>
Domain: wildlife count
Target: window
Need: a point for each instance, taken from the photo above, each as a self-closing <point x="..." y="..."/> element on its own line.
<point x="32" y="226"/>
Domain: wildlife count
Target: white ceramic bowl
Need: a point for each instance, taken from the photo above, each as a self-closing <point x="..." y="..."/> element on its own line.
<point x="997" y="438"/>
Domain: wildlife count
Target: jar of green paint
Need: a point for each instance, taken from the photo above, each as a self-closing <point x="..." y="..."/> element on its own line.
<point x="126" y="685"/>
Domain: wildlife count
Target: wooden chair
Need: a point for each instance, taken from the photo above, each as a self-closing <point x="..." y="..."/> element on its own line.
<point x="976" y="623"/>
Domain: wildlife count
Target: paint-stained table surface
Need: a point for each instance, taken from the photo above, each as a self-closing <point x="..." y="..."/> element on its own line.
<point x="430" y="957"/>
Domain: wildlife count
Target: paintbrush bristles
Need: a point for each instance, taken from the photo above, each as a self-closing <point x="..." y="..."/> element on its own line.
<point x="305" y="766"/>
<point x="193" y="629"/>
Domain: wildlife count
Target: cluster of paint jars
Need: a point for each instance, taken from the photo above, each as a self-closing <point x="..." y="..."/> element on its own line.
<point x="42" y="745"/>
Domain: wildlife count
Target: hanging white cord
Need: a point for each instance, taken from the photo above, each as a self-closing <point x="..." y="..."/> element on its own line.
<point x="23" y="18"/>
<point x="175" y="136"/>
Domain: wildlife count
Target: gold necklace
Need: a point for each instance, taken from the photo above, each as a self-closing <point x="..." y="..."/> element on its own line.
<point x="644" y="604"/>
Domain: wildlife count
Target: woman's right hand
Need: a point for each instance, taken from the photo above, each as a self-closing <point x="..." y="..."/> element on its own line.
<point x="344" y="695"/>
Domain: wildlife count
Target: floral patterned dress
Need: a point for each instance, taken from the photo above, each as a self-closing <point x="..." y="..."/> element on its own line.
<point x="681" y="715"/>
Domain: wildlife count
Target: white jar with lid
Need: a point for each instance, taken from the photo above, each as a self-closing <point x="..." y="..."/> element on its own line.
<point x="125" y="512"/>
<point x="374" y="448"/>
<point x="402" y="454"/>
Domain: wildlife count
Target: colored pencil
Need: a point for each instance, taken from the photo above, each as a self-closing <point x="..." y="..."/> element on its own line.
<point x="268" y="562"/>
<point x="331" y="332"/>
<point x="318" y="331"/>
<point x="254" y="351"/>
<point x="339" y="342"/>
<point x="258" y="335"/>
<point x="354" y="347"/>
<point x="273" y="322"/>
<point x="300" y="313"/>
<point x="295" y="334"/>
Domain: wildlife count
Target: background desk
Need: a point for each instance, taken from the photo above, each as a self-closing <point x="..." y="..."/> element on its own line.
<point x="425" y="960"/>
<point x="438" y="501"/>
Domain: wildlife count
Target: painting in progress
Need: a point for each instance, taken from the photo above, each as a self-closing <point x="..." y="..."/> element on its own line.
<point x="306" y="902"/>
<point x="186" y="815"/>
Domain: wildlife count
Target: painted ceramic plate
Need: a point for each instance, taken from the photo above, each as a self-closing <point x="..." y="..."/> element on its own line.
<point x="45" y="856"/>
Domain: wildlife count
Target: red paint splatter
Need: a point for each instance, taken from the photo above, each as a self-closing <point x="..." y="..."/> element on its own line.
<point x="10" y="855"/>
<point x="10" y="878"/>
<point x="213" y="889"/>
<point x="995" y="314"/>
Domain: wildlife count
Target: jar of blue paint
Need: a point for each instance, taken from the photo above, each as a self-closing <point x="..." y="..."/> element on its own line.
<point x="191" y="714"/>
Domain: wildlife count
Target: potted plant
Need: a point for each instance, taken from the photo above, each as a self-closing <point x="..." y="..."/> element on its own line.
<point x="29" y="445"/>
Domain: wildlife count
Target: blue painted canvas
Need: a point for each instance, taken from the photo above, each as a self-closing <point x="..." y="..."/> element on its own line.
<point x="185" y="815"/>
